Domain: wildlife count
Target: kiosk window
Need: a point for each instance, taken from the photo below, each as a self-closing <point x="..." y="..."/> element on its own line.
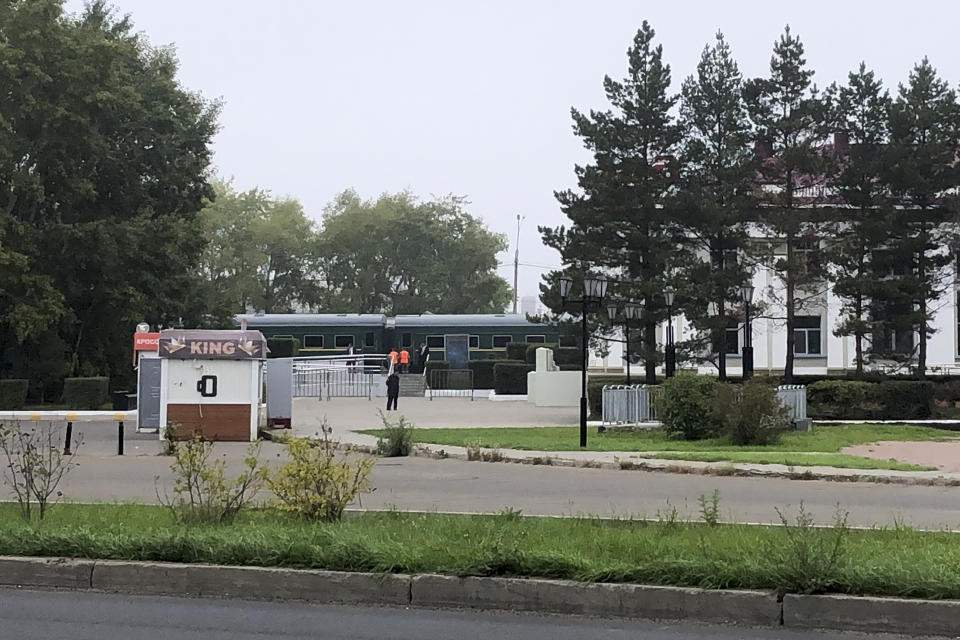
<point x="499" y="342"/>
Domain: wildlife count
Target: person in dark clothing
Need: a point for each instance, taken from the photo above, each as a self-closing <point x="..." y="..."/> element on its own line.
<point x="423" y="354"/>
<point x="393" y="390"/>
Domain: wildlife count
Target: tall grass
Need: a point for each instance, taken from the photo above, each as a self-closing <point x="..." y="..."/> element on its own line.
<point x="897" y="561"/>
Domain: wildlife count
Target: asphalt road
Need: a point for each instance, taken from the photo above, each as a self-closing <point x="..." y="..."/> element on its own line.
<point x="456" y="485"/>
<point x="38" y="615"/>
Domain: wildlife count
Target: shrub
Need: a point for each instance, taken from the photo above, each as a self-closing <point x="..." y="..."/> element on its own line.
<point x="843" y="400"/>
<point x="686" y="407"/>
<point x="510" y="377"/>
<point x="487" y="355"/>
<point x="34" y="464"/>
<point x="905" y="399"/>
<point x="202" y="493"/>
<point x="433" y="365"/>
<point x="283" y="347"/>
<point x="397" y="439"/>
<point x="85" y="393"/>
<point x="947" y="392"/>
<point x="517" y="350"/>
<point x="315" y="484"/>
<point x="482" y="373"/>
<point x="13" y="394"/>
<point x="568" y="356"/>
<point x="595" y="384"/>
<point x="530" y="355"/>
<point x="750" y="414"/>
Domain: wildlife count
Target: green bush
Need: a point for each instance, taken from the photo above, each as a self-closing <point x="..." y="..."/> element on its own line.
<point x="905" y="399"/>
<point x="487" y="355"/>
<point x="750" y="414"/>
<point x="283" y="347"/>
<point x="687" y="406"/>
<point x="13" y="394"/>
<point x="482" y="373"/>
<point x="433" y="365"/>
<point x="530" y="355"/>
<point x="85" y="393"/>
<point x="517" y="351"/>
<point x="947" y="392"/>
<point x="510" y="377"/>
<point x="843" y="400"/>
<point x="568" y="356"/>
<point x="397" y="438"/>
<point x="595" y="384"/>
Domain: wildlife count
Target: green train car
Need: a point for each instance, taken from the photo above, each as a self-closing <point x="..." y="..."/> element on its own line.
<point x="333" y="333"/>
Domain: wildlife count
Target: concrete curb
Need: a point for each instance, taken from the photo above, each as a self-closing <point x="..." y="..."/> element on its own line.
<point x="748" y="608"/>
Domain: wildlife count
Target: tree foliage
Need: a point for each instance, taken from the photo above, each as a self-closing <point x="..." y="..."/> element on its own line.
<point x="399" y="255"/>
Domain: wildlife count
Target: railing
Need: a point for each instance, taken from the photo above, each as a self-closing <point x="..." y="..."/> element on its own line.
<point x="794" y="398"/>
<point x="629" y="404"/>
<point x="311" y="382"/>
<point x="451" y="383"/>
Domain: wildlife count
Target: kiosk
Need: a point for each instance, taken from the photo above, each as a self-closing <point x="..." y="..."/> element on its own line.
<point x="210" y="383"/>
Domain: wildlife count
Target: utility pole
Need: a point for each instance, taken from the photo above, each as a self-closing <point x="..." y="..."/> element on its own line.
<point x="516" y="265"/>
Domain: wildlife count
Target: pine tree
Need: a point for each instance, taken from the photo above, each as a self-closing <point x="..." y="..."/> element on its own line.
<point x="715" y="195"/>
<point x="618" y="221"/>
<point x="921" y="168"/>
<point x="859" y="113"/>
<point x="788" y="117"/>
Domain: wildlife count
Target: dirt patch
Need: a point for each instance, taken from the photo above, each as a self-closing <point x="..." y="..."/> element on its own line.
<point x="943" y="455"/>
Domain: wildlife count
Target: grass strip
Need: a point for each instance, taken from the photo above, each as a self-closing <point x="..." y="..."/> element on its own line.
<point x="892" y="562"/>
<point x="789" y="458"/>
<point x="823" y="439"/>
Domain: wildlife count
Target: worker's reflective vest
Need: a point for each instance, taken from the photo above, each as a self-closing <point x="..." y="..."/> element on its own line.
<point x="404" y="357"/>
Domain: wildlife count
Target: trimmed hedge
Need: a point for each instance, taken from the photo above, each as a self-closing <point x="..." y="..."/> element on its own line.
<point x="283" y="347"/>
<point x="433" y="365"/>
<point x="488" y="355"/>
<point x="517" y="351"/>
<point x="510" y="377"/>
<point x="858" y="400"/>
<point x="85" y="393"/>
<point x="483" y="373"/>
<point x="530" y="355"/>
<point x="13" y="393"/>
<point x="595" y="384"/>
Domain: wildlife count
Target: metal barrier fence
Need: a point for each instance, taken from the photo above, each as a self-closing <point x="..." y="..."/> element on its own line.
<point x="451" y="383"/>
<point x="346" y="382"/>
<point x="638" y="403"/>
<point x="629" y="404"/>
<point x="794" y="398"/>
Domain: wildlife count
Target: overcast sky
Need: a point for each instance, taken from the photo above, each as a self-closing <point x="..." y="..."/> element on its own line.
<point x="473" y="98"/>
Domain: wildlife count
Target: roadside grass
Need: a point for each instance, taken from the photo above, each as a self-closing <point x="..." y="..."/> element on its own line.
<point x="895" y="562"/>
<point x="823" y="439"/>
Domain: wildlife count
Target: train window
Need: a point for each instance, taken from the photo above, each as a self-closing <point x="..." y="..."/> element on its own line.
<point x="536" y="338"/>
<point x="435" y="342"/>
<point x="313" y="342"/>
<point x="474" y="342"/>
<point x="342" y="342"/>
<point x="499" y="342"/>
<point x="406" y="339"/>
<point x="370" y="340"/>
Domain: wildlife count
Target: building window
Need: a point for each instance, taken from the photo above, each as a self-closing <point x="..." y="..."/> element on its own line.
<point x="474" y="342"/>
<point x="406" y="339"/>
<point x="370" y="339"/>
<point x="537" y="339"/>
<point x="731" y="342"/>
<point x="313" y="342"/>
<point x="499" y="342"/>
<point x="435" y="342"/>
<point x="342" y="342"/>
<point x="806" y="335"/>
<point x="806" y="253"/>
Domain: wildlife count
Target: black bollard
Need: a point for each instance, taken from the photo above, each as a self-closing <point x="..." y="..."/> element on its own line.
<point x="66" y="444"/>
<point x="120" y="438"/>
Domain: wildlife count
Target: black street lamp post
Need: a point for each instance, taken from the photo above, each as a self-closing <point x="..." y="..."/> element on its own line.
<point x="746" y="292"/>
<point x="594" y="288"/>
<point x="631" y="311"/>
<point x="671" y="350"/>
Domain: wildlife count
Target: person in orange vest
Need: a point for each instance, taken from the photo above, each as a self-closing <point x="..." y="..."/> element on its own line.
<point x="404" y="361"/>
<point x="394" y="358"/>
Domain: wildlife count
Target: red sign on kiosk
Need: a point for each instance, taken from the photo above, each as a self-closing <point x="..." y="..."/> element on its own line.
<point x="146" y="341"/>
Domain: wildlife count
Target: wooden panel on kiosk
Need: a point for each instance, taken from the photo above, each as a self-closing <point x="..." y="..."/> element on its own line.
<point x="220" y="422"/>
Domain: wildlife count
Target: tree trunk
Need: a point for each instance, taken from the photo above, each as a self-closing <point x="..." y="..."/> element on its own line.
<point x="650" y="344"/>
<point x="722" y="355"/>
<point x="791" y="295"/>
<point x="922" y="302"/>
<point x="858" y="336"/>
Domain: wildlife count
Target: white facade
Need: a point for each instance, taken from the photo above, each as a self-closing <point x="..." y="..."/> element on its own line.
<point x="836" y="354"/>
